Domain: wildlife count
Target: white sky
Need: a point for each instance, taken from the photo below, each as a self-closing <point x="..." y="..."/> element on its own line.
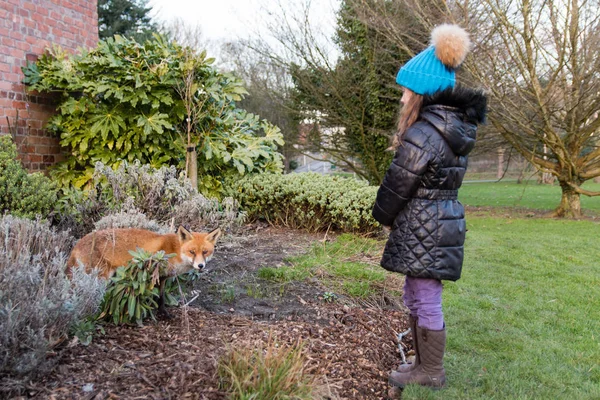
<point x="231" y="19"/>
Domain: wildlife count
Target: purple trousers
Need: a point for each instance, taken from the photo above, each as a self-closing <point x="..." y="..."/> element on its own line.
<point x="423" y="297"/>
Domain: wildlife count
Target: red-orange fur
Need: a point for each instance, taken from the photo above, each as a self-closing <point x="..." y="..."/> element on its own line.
<point x="109" y="249"/>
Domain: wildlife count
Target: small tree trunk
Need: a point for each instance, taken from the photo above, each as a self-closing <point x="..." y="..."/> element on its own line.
<point x="193" y="171"/>
<point x="570" y="203"/>
<point x="500" y="172"/>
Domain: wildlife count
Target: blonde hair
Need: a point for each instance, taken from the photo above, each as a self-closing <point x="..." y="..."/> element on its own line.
<point x="408" y="116"/>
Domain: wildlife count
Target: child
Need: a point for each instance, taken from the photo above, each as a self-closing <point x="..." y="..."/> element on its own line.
<point x="418" y="196"/>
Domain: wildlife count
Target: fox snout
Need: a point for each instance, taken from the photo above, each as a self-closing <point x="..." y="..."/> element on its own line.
<point x="199" y="265"/>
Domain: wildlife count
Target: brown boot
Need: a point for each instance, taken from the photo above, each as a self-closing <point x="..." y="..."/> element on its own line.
<point x="412" y="321"/>
<point x="430" y="372"/>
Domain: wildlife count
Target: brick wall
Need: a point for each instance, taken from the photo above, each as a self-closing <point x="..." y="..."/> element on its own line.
<point x="27" y="28"/>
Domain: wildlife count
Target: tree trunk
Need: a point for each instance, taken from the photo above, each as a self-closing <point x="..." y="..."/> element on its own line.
<point x="570" y="203"/>
<point x="193" y="171"/>
<point x="500" y="172"/>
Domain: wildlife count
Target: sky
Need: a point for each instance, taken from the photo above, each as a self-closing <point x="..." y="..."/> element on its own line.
<point x="223" y="20"/>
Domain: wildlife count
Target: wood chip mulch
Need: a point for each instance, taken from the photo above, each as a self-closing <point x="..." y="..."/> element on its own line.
<point x="350" y="350"/>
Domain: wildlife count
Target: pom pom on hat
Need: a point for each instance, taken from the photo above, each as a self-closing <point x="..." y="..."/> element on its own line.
<point x="451" y="43"/>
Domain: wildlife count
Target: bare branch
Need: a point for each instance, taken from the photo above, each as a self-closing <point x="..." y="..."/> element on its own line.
<point x="583" y="191"/>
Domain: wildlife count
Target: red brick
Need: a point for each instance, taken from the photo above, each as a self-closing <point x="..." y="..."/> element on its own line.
<point x="39" y="17"/>
<point x="42" y="149"/>
<point x="38" y="49"/>
<point x="50" y="22"/>
<point x="16" y="35"/>
<point x="12" y="77"/>
<point x="31" y="40"/>
<point x="29" y="23"/>
<point x="35" y="140"/>
<point x="23" y="46"/>
<point x="8" y="42"/>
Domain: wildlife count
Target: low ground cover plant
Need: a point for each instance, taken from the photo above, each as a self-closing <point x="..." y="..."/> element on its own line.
<point x="140" y="196"/>
<point x="348" y="266"/>
<point x="308" y="201"/>
<point x="39" y="305"/>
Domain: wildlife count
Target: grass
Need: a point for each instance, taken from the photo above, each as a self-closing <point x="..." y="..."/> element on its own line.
<point x="272" y="372"/>
<point x="526" y="195"/>
<point x="347" y="266"/>
<point x="524" y="319"/>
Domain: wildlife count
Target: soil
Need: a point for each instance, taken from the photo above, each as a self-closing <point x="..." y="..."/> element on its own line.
<point x="350" y="347"/>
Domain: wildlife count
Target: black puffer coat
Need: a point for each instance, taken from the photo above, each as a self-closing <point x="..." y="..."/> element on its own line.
<point x="418" y="195"/>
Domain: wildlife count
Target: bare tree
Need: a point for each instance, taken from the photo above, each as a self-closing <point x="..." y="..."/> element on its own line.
<point x="185" y="34"/>
<point x="539" y="61"/>
<point x="343" y="82"/>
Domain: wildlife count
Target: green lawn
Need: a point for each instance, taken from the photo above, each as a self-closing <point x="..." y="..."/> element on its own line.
<point x="527" y="195"/>
<point x="523" y="321"/>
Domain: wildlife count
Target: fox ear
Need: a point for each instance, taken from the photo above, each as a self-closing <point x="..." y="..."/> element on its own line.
<point x="184" y="235"/>
<point x="213" y="235"/>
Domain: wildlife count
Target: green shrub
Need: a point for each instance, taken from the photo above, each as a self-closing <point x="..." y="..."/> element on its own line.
<point x="124" y="101"/>
<point x="39" y="305"/>
<point x="133" y="290"/>
<point x="308" y="201"/>
<point x="22" y="194"/>
<point x="141" y="196"/>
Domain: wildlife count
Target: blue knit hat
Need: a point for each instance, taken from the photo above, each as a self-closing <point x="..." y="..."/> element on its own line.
<point x="432" y="70"/>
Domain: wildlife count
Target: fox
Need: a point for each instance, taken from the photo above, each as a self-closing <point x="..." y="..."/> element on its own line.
<point x="108" y="249"/>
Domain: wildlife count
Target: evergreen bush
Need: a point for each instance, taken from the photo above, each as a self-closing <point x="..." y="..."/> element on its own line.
<point x="308" y="201"/>
<point x="22" y="194"/>
<point x="125" y="101"/>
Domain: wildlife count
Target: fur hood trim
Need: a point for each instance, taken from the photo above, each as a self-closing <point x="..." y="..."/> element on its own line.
<point x="471" y="102"/>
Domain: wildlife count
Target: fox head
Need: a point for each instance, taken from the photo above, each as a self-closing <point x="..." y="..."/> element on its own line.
<point x="196" y="248"/>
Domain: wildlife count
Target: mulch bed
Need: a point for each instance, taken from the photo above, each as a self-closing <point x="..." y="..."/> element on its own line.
<point x="350" y="350"/>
